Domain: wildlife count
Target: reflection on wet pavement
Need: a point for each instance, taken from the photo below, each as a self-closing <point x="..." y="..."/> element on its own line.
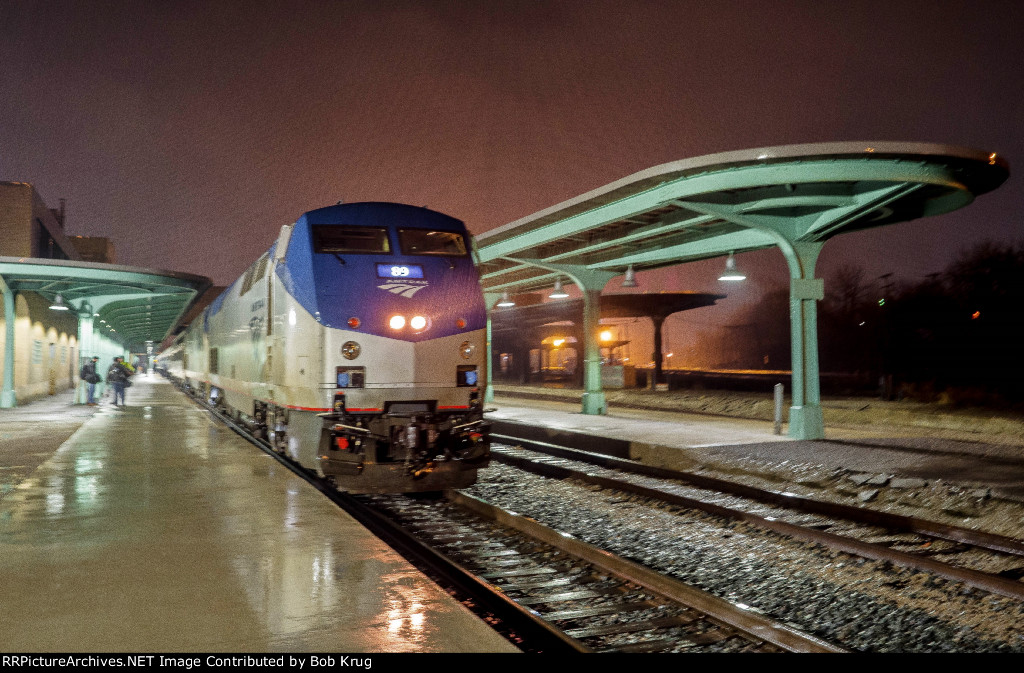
<point x="155" y="529"/>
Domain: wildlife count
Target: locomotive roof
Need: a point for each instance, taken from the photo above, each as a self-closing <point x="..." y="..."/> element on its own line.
<point x="370" y="213"/>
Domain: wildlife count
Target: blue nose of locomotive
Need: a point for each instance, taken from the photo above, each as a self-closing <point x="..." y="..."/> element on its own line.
<point x="387" y="269"/>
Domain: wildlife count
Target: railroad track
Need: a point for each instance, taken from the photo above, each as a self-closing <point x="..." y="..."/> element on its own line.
<point x="993" y="563"/>
<point x="544" y="591"/>
<point x="601" y="601"/>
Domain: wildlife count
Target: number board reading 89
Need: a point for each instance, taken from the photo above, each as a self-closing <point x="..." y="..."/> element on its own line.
<point x="399" y="271"/>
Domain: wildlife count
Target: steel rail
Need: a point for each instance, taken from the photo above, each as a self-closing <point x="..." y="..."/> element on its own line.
<point x="991" y="541"/>
<point x="716" y="608"/>
<point x="522" y="626"/>
<point x="988" y="582"/>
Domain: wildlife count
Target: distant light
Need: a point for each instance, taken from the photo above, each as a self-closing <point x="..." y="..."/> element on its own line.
<point x="558" y="342"/>
<point x="975" y="315"/>
<point x="731" y="272"/>
<point x="863" y="322"/>
<point x="606" y="335"/>
<point x="881" y="302"/>
<point x="506" y="301"/>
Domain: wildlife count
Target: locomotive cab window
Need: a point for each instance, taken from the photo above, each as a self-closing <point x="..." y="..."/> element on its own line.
<point x="347" y="239"/>
<point x="432" y="242"/>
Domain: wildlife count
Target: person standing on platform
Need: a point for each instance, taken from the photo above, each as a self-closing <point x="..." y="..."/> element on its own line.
<point x="91" y="378"/>
<point x="117" y="377"/>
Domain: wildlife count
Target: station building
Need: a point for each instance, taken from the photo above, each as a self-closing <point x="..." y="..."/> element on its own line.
<point x="47" y="356"/>
<point x="45" y="361"/>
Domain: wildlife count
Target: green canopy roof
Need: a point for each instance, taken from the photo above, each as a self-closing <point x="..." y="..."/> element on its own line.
<point x="133" y="305"/>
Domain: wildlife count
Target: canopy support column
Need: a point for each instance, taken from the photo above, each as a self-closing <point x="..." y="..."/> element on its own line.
<point x="490" y="299"/>
<point x="805" y="416"/>
<point x="85" y="348"/>
<point x="657" y="375"/>
<point x="591" y="282"/>
<point x="8" y="399"/>
<point x="594" y="402"/>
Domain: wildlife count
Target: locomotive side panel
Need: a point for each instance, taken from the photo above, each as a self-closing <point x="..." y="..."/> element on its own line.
<point x="237" y="332"/>
<point x="194" y="356"/>
<point x="297" y="355"/>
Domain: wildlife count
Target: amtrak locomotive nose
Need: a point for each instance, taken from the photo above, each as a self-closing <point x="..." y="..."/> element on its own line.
<point x="356" y="345"/>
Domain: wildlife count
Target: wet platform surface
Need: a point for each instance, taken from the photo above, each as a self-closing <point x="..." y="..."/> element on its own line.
<point x="155" y="529"/>
<point x="686" y="440"/>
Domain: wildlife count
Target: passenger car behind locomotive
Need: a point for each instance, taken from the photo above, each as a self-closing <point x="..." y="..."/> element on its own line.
<point x="356" y="346"/>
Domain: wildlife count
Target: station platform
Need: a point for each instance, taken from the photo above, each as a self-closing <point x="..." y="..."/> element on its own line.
<point x="976" y="454"/>
<point x="154" y="529"/>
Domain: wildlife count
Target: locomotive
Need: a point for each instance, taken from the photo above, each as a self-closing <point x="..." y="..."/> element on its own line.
<point x="356" y="346"/>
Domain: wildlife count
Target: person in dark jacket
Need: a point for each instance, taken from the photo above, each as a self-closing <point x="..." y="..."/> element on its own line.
<point x="91" y="378"/>
<point x="117" y="377"/>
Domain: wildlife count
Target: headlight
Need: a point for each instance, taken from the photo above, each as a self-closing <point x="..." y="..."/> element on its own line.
<point x="418" y="322"/>
<point x="466" y="350"/>
<point x="397" y="322"/>
<point x="351" y="350"/>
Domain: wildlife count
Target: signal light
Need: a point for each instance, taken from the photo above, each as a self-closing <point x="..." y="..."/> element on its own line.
<point x="342" y="443"/>
<point x="460" y="323"/>
<point x="354" y="322"/>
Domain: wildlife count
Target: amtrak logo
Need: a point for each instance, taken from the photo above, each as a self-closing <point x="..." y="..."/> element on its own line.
<point x="255" y="327"/>
<point x="256" y="336"/>
<point x="405" y="288"/>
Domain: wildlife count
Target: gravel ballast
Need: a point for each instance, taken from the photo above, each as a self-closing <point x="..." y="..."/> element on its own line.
<point x="860" y="604"/>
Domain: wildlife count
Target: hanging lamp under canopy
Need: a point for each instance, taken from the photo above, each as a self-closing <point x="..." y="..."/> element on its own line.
<point x="58" y="304"/>
<point x="630" y="279"/>
<point x="731" y="272"/>
<point x="558" y="293"/>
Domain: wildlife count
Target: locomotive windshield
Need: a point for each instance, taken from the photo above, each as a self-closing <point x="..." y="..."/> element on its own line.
<point x="432" y="242"/>
<point x="335" y="239"/>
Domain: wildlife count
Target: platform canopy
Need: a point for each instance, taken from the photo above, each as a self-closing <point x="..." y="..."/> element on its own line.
<point x="732" y="202"/>
<point x="795" y="197"/>
<point x="129" y="305"/>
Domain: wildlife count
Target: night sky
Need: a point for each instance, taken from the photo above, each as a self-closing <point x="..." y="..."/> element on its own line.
<point x="189" y="132"/>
